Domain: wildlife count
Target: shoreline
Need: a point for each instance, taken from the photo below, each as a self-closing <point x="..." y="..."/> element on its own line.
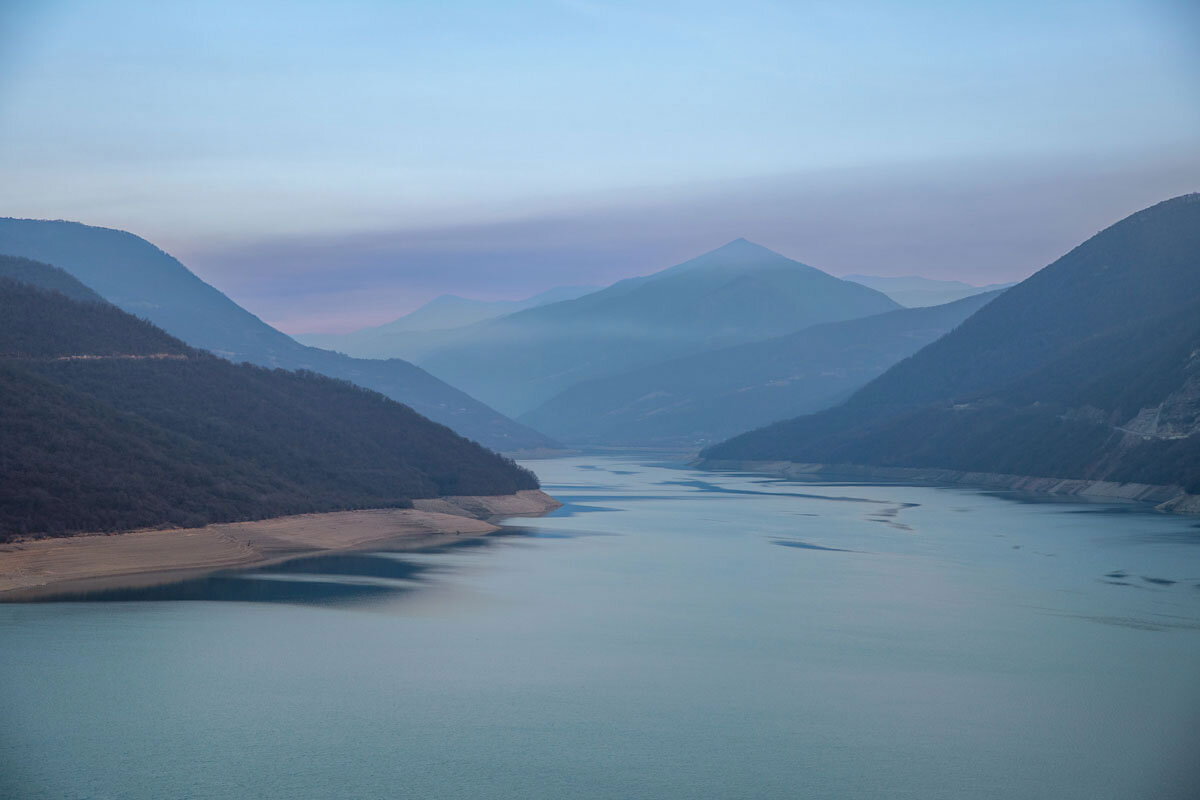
<point x="1162" y="498"/>
<point x="38" y="568"/>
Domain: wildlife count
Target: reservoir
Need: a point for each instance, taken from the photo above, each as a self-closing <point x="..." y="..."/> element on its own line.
<point x="668" y="633"/>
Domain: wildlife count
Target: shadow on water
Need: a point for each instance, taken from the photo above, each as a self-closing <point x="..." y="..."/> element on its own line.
<point x="807" y="546"/>
<point x="323" y="579"/>
<point x="567" y="499"/>
<point x="1142" y="624"/>
<point x="1187" y="537"/>
<point x="705" y="486"/>
<point x="571" y="507"/>
<point x="1099" y="505"/>
<point x="238" y="587"/>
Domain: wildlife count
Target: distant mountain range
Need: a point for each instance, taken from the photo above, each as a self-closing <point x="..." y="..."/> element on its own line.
<point x="143" y="280"/>
<point x="738" y="293"/>
<point x="408" y="336"/>
<point x="699" y="399"/>
<point x="1088" y="369"/>
<point x="111" y="424"/>
<point x="912" y="291"/>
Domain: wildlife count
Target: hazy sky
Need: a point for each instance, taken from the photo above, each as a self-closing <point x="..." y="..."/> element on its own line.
<point x="332" y="165"/>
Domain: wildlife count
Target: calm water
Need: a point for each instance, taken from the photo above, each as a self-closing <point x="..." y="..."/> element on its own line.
<point x="669" y="634"/>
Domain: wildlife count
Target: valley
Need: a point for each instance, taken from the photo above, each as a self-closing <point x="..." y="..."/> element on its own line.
<point x="599" y="400"/>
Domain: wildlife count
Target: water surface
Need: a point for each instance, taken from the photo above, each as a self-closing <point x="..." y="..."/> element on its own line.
<point x="667" y="634"/>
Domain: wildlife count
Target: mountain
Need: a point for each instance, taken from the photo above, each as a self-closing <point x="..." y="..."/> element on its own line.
<point x="738" y="293"/>
<point x="35" y="273"/>
<point x="409" y="336"/>
<point x="143" y="280"/>
<point x="912" y="291"/>
<point x="710" y="396"/>
<point x="47" y="314"/>
<point x="112" y="424"/>
<point x="1088" y="369"/>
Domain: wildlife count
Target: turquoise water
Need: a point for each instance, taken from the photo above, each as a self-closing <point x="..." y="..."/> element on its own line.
<point x="668" y="634"/>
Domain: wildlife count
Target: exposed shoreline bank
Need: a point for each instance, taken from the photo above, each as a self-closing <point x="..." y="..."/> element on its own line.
<point x="1163" y="498"/>
<point x="34" y="569"/>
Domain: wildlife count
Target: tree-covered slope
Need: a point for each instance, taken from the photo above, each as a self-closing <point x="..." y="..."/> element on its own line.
<point x="37" y="323"/>
<point x="703" y="398"/>
<point x="1088" y="369"/>
<point x="136" y="276"/>
<point x="36" y="273"/>
<point x="738" y="293"/>
<point x="111" y="424"/>
<point x="1142" y="267"/>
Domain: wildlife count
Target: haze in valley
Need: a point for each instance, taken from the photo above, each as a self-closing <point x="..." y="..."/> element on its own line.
<point x="599" y="399"/>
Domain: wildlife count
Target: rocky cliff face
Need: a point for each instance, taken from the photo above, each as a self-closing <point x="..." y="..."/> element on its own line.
<point x="1178" y="415"/>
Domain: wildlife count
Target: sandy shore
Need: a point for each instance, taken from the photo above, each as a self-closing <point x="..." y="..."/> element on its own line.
<point x="41" y="567"/>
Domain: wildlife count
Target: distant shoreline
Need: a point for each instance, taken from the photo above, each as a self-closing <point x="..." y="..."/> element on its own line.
<point x="40" y="568"/>
<point x="1162" y="498"/>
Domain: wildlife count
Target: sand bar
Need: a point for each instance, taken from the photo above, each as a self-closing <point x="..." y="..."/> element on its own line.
<point x="42" y="567"/>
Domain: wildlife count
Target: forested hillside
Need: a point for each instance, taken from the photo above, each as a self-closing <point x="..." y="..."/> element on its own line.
<point x="37" y="273"/>
<point x="139" y="278"/>
<point x="37" y="323"/>
<point x="110" y="424"/>
<point x="1088" y="369"/>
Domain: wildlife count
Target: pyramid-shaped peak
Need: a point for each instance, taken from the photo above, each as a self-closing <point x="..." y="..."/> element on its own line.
<point x="742" y="245"/>
<point x="739" y="252"/>
<point x="738" y="255"/>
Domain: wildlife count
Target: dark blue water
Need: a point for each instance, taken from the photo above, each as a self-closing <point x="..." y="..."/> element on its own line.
<point x="669" y="634"/>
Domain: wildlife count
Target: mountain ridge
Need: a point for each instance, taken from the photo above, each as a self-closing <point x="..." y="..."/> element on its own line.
<point x="112" y="424"/>
<point x="709" y="396"/>
<point x="141" y="278"/>
<point x="737" y="293"/>
<point x="1065" y="375"/>
<point x="445" y="313"/>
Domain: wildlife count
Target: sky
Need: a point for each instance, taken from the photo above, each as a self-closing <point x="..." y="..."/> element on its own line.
<point x="334" y="165"/>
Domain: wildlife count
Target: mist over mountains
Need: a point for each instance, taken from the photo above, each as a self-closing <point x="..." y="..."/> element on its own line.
<point x="138" y="277"/>
<point x="738" y="293"/>
<point x="715" y="394"/>
<point x="1088" y="369"/>
<point x="112" y="424"/>
<point x="415" y="333"/>
<point x="673" y="401"/>
<point x="913" y="291"/>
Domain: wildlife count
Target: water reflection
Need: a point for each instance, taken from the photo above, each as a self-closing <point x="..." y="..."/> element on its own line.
<point x="719" y="631"/>
<point x="238" y="587"/>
